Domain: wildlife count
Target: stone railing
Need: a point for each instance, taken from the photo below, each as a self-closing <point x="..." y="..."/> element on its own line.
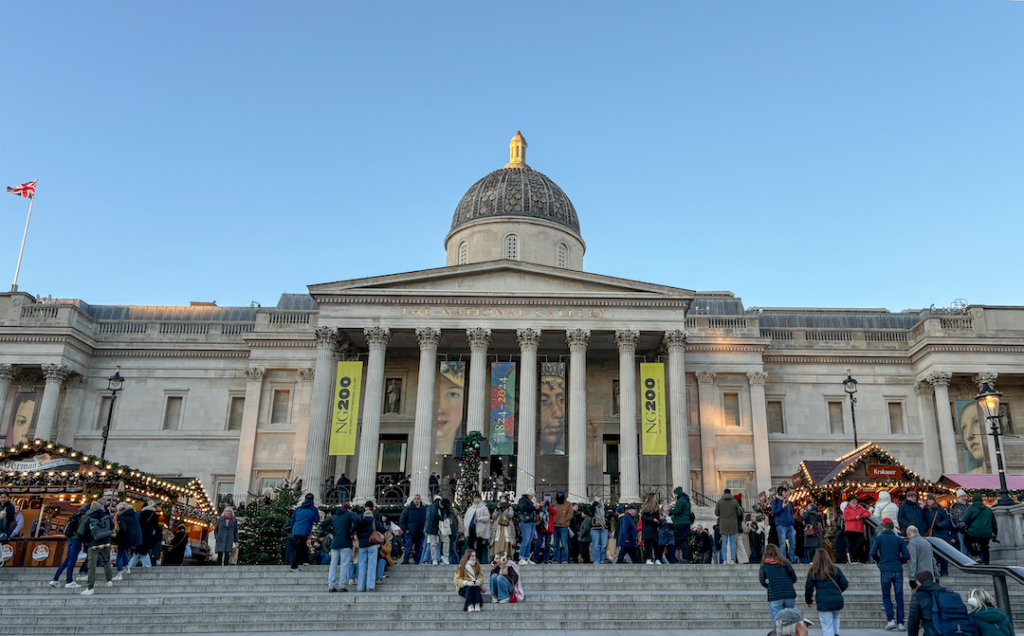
<point x="733" y="325"/>
<point x="882" y="339"/>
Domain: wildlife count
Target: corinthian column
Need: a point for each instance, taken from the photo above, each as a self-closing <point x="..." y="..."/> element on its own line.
<point x="6" y="375"/>
<point x="478" y="387"/>
<point x="932" y="453"/>
<point x="247" y="436"/>
<point x="629" y="453"/>
<point x="366" y="475"/>
<point x="54" y="374"/>
<point x="947" y="435"/>
<point x="709" y="417"/>
<point x="759" y="415"/>
<point x="529" y="340"/>
<point x="678" y="419"/>
<point x="320" y="411"/>
<point x="423" y="428"/>
<point x="578" y="340"/>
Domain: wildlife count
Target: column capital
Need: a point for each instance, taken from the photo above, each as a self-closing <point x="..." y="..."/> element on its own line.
<point x="757" y="378"/>
<point x="985" y="377"/>
<point x="706" y="377"/>
<point x="377" y="337"/>
<point x="308" y="374"/>
<point x="255" y="374"/>
<point x="626" y="338"/>
<point x="528" y="338"/>
<point x="55" y="372"/>
<point x="479" y="338"/>
<point x="326" y="337"/>
<point x="428" y="337"/>
<point x="923" y="388"/>
<point x="940" y="379"/>
<point x="6" y="373"/>
<point x="676" y="338"/>
<point x="76" y="381"/>
<point x="578" y="337"/>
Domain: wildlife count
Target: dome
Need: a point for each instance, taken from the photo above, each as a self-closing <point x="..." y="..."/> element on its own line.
<point x="517" y="190"/>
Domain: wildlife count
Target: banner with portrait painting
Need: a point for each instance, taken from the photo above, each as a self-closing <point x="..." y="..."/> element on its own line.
<point x="503" y="408"/>
<point x="451" y="392"/>
<point x="970" y="425"/>
<point x="652" y="418"/>
<point x="346" y="408"/>
<point x="552" y="408"/>
<point x="24" y="414"/>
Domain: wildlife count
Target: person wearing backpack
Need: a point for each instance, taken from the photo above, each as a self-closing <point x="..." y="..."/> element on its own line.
<point x="777" y="575"/>
<point x="527" y="525"/>
<point x="889" y="552"/>
<point x="935" y="609"/>
<point x="980" y="528"/>
<point x="95" y="531"/>
<point x="682" y="518"/>
<point x="545" y="531"/>
<point x="598" y="532"/>
<point x="986" y="618"/>
<point x="829" y="582"/>
<point x="74" y="549"/>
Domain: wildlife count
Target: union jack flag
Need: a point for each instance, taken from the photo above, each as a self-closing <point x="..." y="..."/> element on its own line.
<point x="25" y="190"/>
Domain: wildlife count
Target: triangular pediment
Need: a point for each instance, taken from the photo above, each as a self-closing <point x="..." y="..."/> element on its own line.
<point x="500" y="278"/>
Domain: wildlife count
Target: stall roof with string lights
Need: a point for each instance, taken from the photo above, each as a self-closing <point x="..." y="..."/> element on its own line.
<point x="866" y="470"/>
<point x="44" y="468"/>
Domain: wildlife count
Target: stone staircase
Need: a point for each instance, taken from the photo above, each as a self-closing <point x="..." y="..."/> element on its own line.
<point x="268" y="598"/>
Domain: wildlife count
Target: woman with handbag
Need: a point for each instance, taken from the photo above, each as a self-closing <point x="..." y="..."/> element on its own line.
<point x="179" y="544"/>
<point x="828" y="580"/>
<point x="813" y="532"/>
<point x="503" y="537"/>
<point x="371" y="537"/>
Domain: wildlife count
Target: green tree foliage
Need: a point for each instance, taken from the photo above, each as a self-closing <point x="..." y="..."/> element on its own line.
<point x="261" y="533"/>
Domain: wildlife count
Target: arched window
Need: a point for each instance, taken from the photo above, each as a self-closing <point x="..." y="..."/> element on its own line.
<point x="463" y="253"/>
<point x="512" y="247"/>
<point x="563" y="255"/>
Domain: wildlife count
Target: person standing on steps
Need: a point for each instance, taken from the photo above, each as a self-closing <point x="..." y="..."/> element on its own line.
<point x="527" y="525"/>
<point x="177" y="545"/>
<point x="730" y="516"/>
<point x="667" y="536"/>
<point x="560" y="522"/>
<point x="227" y="535"/>
<point x="478" y="526"/>
<point x="128" y="536"/>
<point x="681" y="520"/>
<point x="545" y="531"/>
<point x="302" y="520"/>
<point x="782" y="513"/>
<point x="366" y="570"/>
<point x="650" y="518"/>
<point x="341" y="526"/>
<point x="828" y="581"/>
<point x="814" y="530"/>
<point x="74" y="548"/>
<point x="980" y="528"/>
<point x="889" y="552"/>
<point x="956" y="519"/>
<point x="149" y="524"/>
<point x="503" y="532"/>
<point x="95" y="533"/>
<point x="911" y="513"/>
<point x="468" y="578"/>
<point x="777" y="575"/>
<point x="412" y="523"/>
<point x="886" y="509"/>
<point x="598" y="532"/>
<point x="921" y="555"/>
<point x="626" y="536"/>
<point x="432" y="531"/>
<point x="854" y="517"/>
<point x="585" y="537"/>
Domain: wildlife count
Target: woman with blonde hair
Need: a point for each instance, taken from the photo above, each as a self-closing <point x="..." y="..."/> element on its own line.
<point x="830" y="584"/>
<point x="650" y="517"/>
<point x="226" y="534"/>
<point x="988" y="620"/>
<point x="468" y="578"/>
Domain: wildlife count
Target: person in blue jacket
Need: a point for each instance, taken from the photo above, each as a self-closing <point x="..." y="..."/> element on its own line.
<point x="431" y="528"/>
<point x="938" y="525"/>
<point x="301" y="523"/>
<point x="911" y="513"/>
<point x="342" y="526"/>
<point x="890" y="553"/>
<point x="626" y="536"/>
<point x="413" y="522"/>
<point x="782" y="513"/>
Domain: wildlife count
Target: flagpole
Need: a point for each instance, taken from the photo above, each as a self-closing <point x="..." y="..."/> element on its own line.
<point x="14" y="287"/>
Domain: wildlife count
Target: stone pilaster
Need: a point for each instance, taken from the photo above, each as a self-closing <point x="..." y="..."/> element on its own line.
<point x="479" y="388"/>
<point x="319" y="430"/>
<point x="366" y="480"/>
<point x="947" y="434"/>
<point x="629" y="452"/>
<point x="247" y="436"/>
<point x="929" y="431"/>
<point x="709" y="418"/>
<point x="54" y="374"/>
<point x="529" y="340"/>
<point x="759" y="417"/>
<point x="6" y="375"/>
<point x="678" y="418"/>
<point x="578" y="340"/>
<point x="423" y="429"/>
<point x="71" y="411"/>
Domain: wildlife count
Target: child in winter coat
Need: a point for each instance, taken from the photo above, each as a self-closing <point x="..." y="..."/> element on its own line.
<point x="777" y="575"/>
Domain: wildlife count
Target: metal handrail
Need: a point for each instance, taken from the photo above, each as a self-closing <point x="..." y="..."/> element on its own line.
<point x="966" y="564"/>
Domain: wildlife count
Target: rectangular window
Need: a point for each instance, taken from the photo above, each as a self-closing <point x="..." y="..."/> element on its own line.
<point x="172" y="412"/>
<point x="269" y="484"/>
<point x="775" y="419"/>
<point x="835" y="418"/>
<point x="896" y="418"/>
<point x="279" y="412"/>
<point x="391" y="457"/>
<point x="1005" y="420"/>
<point x="225" y="492"/>
<point x="235" y="413"/>
<point x="101" y="418"/>
<point x="732" y="409"/>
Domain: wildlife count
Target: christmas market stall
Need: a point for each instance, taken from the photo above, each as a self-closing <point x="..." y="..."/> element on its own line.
<point x="986" y="485"/>
<point x="47" y="483"/>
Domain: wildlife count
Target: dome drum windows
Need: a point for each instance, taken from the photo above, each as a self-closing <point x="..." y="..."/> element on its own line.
<point x="511" y="248"/>
<point x="463" y="253"/>
<point x="563" y="255"/>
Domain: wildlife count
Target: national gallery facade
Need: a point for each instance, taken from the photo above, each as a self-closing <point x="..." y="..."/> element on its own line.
<point x="555" y="366"/>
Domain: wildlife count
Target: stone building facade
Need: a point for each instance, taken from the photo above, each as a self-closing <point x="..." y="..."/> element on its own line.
<point x="241" y="397"/>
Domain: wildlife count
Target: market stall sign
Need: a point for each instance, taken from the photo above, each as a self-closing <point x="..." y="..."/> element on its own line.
<point x="880" y="471"/>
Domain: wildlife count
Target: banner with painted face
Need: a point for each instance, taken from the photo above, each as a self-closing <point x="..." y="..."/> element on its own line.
<point x="552" y="408"/>
<point x="451" y="395"/>
<point x="652" y="418"/>
<point x="503" y="408"/>
<point x="346" y="408"/>
<point x="24" y="414"/>
<point x="969" y="423"/>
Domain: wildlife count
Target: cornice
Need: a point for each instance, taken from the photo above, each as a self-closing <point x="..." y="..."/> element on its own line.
<point x="544" y="301"/>
<point x="169" y="353"/>
<point x="725" y="348"/>
<point x="267" y="343"/>
<point x="70" y="341"/>
<point x="805" y="359"/>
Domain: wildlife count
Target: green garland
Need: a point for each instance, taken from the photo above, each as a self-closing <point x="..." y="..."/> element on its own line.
<point x="469" y="480"/>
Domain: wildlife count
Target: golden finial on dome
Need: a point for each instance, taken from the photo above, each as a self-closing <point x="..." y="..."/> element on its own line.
<point x="517" y="153"/>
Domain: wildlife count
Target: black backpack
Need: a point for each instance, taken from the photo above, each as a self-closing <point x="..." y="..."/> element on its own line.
<point x="71" y="527"/>
<point x="100" y="529"/>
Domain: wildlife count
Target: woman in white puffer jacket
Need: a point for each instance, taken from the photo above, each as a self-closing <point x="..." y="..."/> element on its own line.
<point x="886" y="509"/>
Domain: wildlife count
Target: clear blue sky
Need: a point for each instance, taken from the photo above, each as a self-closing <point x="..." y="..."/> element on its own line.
<point x="796" y="153"/>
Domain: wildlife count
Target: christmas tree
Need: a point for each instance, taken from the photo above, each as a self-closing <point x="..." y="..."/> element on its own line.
<point x="261" y="533"/>
<point x="469" y="480"/>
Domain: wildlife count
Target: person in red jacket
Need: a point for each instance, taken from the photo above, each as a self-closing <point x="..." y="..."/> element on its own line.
<point x="854" y="516"/>
<point x="545" y="531"/>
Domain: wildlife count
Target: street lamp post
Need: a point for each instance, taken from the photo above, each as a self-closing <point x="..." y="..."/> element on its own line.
<point x="114" y="384"/>
<point x="988" y="399"/>
<point x="850" y="385"/>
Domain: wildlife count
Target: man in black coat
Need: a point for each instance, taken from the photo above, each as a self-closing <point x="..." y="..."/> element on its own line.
<point x="342" y="525"/>
<point x="8" y="516"/>
<point x="911" y="513"/>
<point x="94" y="522"/>
<point x="413" y="523"/>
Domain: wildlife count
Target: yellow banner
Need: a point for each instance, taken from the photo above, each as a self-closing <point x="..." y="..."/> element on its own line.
<point x="652" y="387"/>
<point x="346" y="408"/>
